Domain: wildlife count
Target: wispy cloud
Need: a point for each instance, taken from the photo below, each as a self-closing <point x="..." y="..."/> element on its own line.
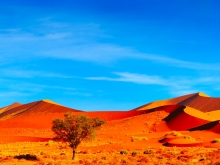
<point x="178" y="63"/>
<point x="21" y="73"/>
<point x="77" y="42"/>
<point x="174" y="85"/>
<point x="12" y="94"/>
<point x="134" y="78"/>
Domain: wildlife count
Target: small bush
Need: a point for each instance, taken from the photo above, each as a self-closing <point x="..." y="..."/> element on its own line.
<point x="50" y="142"/>
<point x="26" y="157"/>
<point x="216" y="140"/>
<point x="174" y="133"/>
<point x="123" y="152"/>
<point x="189" y="137"/>
<point x="148" y="151"/>
<point x="134" y="153"/>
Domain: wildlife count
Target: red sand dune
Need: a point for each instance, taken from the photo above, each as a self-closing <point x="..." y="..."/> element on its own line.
<point x="185" y="118"/>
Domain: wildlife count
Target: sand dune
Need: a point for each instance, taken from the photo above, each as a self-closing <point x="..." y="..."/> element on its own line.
<point x="35" y="108"/>
<point x="178" y="100"/>
<point x="192" y="112"/>
<point x="185" y="118"/>
<point x="202" y="102"/>
<point x="14" y="105"/>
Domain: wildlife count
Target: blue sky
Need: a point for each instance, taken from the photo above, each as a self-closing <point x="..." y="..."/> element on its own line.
<point x="108" y="55"/>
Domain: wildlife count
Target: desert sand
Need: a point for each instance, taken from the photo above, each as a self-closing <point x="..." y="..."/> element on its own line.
<point x="180" y="130"/>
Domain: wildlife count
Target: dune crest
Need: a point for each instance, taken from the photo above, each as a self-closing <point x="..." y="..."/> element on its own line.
<point x="50" y="101"/>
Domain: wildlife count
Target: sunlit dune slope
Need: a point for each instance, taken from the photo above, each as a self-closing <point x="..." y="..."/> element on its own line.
<point x="215" y="114"/>
<point x="35" y="108"/>
<point x="184" y="118"/>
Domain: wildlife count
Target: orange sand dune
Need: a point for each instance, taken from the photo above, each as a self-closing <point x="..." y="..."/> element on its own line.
<point x="151" y="120"/>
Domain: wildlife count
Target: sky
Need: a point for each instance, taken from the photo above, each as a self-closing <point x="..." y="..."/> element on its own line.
<point x="108" y="55"/>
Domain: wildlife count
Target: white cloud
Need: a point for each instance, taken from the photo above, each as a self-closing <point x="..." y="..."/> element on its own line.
<point x="76" y="42"/>
<point x="18" y="73"/>
<point x="134" y="78"/>
<point x="12" y="94"/>
<point x="174" y="85"/>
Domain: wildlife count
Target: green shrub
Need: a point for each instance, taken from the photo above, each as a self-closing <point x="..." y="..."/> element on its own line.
<point x="134" y="153"/>
<point x="123" y="152"/>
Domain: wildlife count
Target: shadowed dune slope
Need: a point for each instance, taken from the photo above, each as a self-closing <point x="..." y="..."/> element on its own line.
<point x="216" y="127"/>
<point x="202" y="102"/>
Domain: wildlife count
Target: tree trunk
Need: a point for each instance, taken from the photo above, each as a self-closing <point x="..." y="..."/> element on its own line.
<point x="74" y="153"/>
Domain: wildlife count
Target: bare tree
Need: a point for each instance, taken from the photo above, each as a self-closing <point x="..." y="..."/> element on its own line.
<point x="73" y="129"/>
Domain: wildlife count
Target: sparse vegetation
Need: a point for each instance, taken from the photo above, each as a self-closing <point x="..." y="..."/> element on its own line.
<point x="50" y="142"/>
<point x="26" y="157"/>
<point x="174" y="133"/>
<point x="148" y="151"/>
<point x="189" y="137"/>
<point x="123" y="152"/>
<point x="73" y="129"/>
<point x="137" y="138"/>
<point x="216" y="140"/>
<point x="134" y="153"/>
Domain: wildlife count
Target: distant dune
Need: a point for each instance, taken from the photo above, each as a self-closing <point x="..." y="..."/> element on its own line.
<point x="191" y="113"/>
